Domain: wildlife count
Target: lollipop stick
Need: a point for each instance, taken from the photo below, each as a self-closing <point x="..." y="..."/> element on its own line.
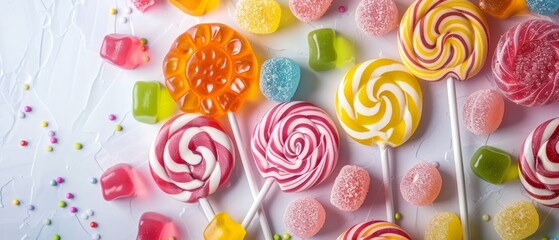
<point x="207" y="208"/>
<point x="386" y="181"/>
<point x="457" y="149"/>
<point x="250" y="177"/>
<point x="257" y="201"/>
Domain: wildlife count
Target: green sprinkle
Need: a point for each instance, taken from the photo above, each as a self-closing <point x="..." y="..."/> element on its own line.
<point x="397" y="216"/>
<point x="143" y="41"/>
<point x="277" y="237"/>
<point x="61" y="204"/>
<point x="49" y="148"/>
<point x="47" y="221"/>
<point x="25" y="87"/>
<point x="118" y="128"/>
<point x="78" y="146"/>
<point x="485" y="218"/>
<point x="545" y="238"/>
<point x="286" y="236"/>
<point x="56" y="237"/>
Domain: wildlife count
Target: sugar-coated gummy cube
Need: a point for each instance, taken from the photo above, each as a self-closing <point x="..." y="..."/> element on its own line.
<point x="483" y="111"/>
<point x="122" y="50"/>
<point x="279" y="79"/>
<point x="422" y="184"/>
<point x="350" y="188"/>
<point x="490" y="164"/>
<point x="195" y="7"/>
<point x="258" y="16"/>
<point x="309" y="10"/>
<point x="376" y="17"/>
<point x="304" y="217"/>
<point x="154" y="226"/>
<point x="222" y="227"/>
<point x="117" y="182"/>
<point x="327" y="50"/>
<point x="517" y="221"/>
<point x="142" y="5"/>
<point x="543" y="7"/>
<point x="151" y="102"/>
<point x="444" y="226"/>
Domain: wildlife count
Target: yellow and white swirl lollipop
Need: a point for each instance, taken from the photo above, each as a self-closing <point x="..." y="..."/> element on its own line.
<point x="379" y="102"/>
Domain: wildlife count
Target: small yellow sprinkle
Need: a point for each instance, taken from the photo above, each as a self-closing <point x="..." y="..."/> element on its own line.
<point x="49" y="148"/>
<point x="172" y="238"/>
<point x="61" y="204"/>
<point x="286" y="236"/>
<point x="78" y="146"/>
<point x="118" y="128"/>
<point x="145" y="59"/>
<point x="277" y="237"/>
<point x="44" y="124"/>
<point x="16" y="202"/>
<point x="485" y="218"/>
<point x="25" y="87"/>
<point x="397" y="216"/>
<point x="113" y="11"/>
<point x="143" y="41"/>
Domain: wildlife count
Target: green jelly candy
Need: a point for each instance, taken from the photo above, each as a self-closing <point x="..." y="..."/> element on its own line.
<point x="490" y="164"/>
<point x="151" y="102"/>
<point x="327" y="50"/>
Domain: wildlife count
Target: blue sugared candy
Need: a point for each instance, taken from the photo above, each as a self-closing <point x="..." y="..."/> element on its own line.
<point x="279" y="79"/>
<point x="543" y="7"/>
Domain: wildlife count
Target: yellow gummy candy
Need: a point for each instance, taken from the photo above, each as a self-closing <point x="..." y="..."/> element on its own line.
<point x="222" y="227"/>
<point x="444" y="226"/>
<point x="258" y="16"/>
<point x="518" y="220"/>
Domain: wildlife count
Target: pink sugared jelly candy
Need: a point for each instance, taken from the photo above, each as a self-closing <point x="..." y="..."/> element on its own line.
<point x="483" y="111"/>
<point x="142" y="5"/>
<point x="154" y="226"/>
<point x="421" y="184"/>
<point x="309" y="10"/>
<point x="123" y="51"/>
<point x="304" y="217"/>
<point x="350" y="188"/>
<point x="117" y="182"/>
<point x="376" y="17"/>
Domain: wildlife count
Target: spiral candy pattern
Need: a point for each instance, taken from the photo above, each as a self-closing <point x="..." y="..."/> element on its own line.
<point x="296" y="144"/>
<point x="379" y="102"/>
<point x="191" y="157"/>
<point x="539" y="163"/>
<point x="375" y="230"/>
<point x="443" y="38"/>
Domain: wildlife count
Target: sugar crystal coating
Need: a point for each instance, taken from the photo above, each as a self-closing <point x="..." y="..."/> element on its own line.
<point x="483" y="111"/>
<point x="309" y="10"/>
<point x="444" y="226"/>
<point x="304" y="217"/>
<point x="350" y="188"/>
<point x="543" y="7"/>
<point x="279" y="79"/>
<point x="516" y="221"/>
<point x="142" y="5"/>
<point x="421" y="184"/>
<point x="376" y="17"/>
<point x="258" y="16"/>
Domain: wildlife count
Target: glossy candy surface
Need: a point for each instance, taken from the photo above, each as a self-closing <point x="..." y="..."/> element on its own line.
<point x="375" y="230"/>
<point x="328" y="50"/>
<point x="154" y="226"/>
<point x="151" y="102"/>
<point x="195" y="7"/>
<point x="123" y="51"/>
<point x="210" y="69"/>
<point x="117" y="182"/>
<point x="502" y="9"/>
<point x="222" y="227"/>
<point x="490" y="164"/>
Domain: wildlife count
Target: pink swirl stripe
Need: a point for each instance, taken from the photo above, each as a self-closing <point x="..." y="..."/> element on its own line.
<point x="375" y="230"/>
<point x="296" y="144"/>
<point x="191" y="157"/>
<point x="539" y="163"/>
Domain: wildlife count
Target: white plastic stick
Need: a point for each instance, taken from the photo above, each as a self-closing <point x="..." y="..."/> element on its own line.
<point x="458" y="163"/>
<point x="248" y="172"/>
<point x="256" y="204"/>
<point x="386" y="182"/>
<point x="206" y="208"/>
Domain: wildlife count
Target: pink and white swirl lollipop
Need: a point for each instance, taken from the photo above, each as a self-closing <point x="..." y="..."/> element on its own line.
<point x="191" y="158"/>
<point x="375" y="230"/>
<point x="295" y="144"/>
<point x="539" y="163"/>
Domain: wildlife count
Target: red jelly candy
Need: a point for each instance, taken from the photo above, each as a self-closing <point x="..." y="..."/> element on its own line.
<point x="117" y="182"/>
<point x="123" y="51"/>
<point x="154" y="226"/>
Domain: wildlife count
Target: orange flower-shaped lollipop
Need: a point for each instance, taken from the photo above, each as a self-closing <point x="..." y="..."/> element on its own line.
<point x="210" y="69"/>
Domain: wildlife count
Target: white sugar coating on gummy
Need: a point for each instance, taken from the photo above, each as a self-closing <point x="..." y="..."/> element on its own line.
<point x="350" y="188"/>
<point x="258" y="16"/>
<point x="309" y="10"/>
<point x="421" y="185"/>
<point x="516" y="221"/>
<point x="376" y="17"/>
<point x="304" y="217"/>
<point x="483" y="111"/>
<point x="279" y="79"/>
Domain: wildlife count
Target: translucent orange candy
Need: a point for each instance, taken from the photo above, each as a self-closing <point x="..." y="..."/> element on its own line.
<point x="210" y="69"/>
<point x="502" y="9"/>
<point x="195" y="7"/>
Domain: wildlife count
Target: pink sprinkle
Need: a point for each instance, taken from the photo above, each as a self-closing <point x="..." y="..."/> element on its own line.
<point x="112" y="117"/>
<point x="483" y="111"/>
<point x="27" y="109"/>
<point x="376" y="17"/>
<point x="53" y="140"/>
<point x="421" y="184"/>
<point x="342" y="9"/>
<point x="69" y="195"/>
<point x="304" y="217"/>
<point x="59" y="180"/>
<point x="350" y="188"/>
<point x="51" y="133"/>
<point x="73" y="209"/>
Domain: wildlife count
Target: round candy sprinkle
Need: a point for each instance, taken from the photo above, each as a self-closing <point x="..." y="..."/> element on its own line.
<point x="78" y="146"/>
<point x="27" y="109"/>
<point x="23" y="143"/>
<point x="172" y="238"/>
<point x="53" y="183"/>
<point x="21" y="115"/>
<point x="145" y="59"/>
<point x="56" y="237"/>
<point x="112" y="117"/>
<point x="128" y="10"/>
<point x="30" y="207"/>
<point x="485" y="218"/>
<point x="49" y="148"/>
<point x="93" y="180"/>
<point x="73" y="209"/>
<point x="69" y="195"/>
<point x="61" y="204"/>
<point x="51" y="133"/>
<point x="25" y="87"/>
<point x="84" y="216"/>
<point x="143" y="41"/>
<point x="59" y="180"/>
<point x="112" y="11"/>
<point x="16" y="202"/>
<point x="95" y="236"/>
<point x="118" y="128"/>
<point x="53" y="140"/>
<point x="545" y="238"/>
<point x="397" y="216"/>
<point x="286" y="236"/>
<point x="123" y="20"/>
<point x="47" y="221"/>
<point x="89" y="212"/>
<point x="44" y="124"/>
<point x="143" y="48"/>
<point x="277" y="237"/>
<point x="342" y="9"/>
<point x="93" y="224"/>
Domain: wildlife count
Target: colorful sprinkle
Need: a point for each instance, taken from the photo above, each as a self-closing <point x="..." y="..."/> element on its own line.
<point x="172" y="238"/>
<point x="145" y="59"/>
<point x="112" y="117"/>
<point x="23" y="143"/>
<point x="21" y="115"/>
<point x="93" y="224"/>
<point x="113" y="11"/>
<point x="286" y="236"/>
<point x="44" y="124"/>
<point x="56" y="237"/>
<point x="143" y="41"/>
<point x="16" y="202"/>
<point x="27" y="109"/>
<point x="73" y="209"/>
<point x="123" y="20"/>
<point x="51" y="133"/>
<point x="49" y="148"/>
<point x="397" y="216"/>
<point x="61" y="204"/>
<point x="545" y="238"/>
<point x="95" y="236"/>
<point x="89" y="212"/>
<point x="485" y="218"/>
<point x="25" y="87"/>
<point x="93" y="180"/>
<point x="47" y="221"/>
<point x="342" y="9"/>
<point x="69" y="195"/>
<point x="84" y="216"/>
<point x="59" y="180"/>
<point x="53" y="183"/>
<point x="78" y="146"/>
<point x="30" y="207"/>
<point x="118" y="128"/>
<point x="53" y="140"/>
<point x="128" y="10"/>
<point x="277" y="237"/>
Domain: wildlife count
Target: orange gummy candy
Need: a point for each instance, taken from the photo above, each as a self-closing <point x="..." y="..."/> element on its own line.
<point x="210" y="69"/>
<point x="195" y="7"/>
<point x="502" y="9"/>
